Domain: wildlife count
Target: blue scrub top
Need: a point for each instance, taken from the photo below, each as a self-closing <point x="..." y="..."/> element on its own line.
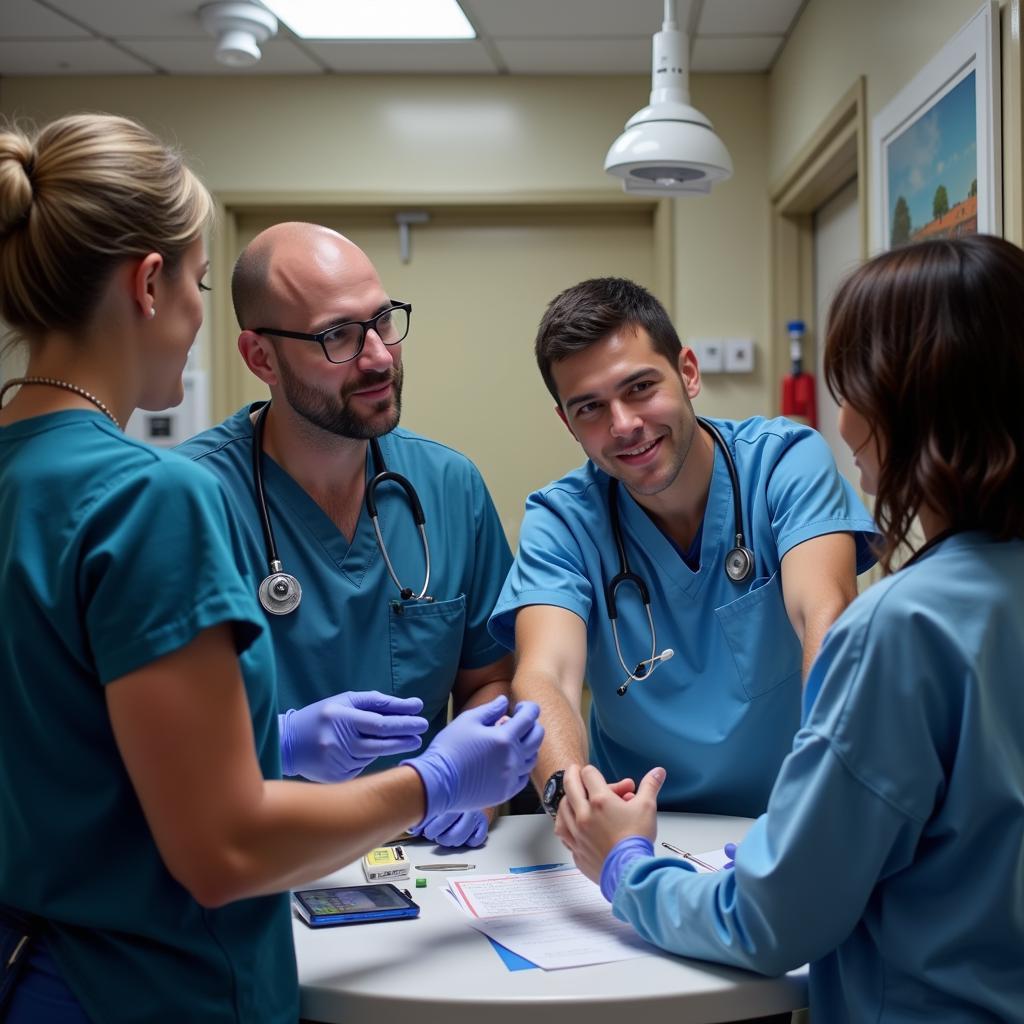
<point x="114" y="554"/>
<point x="721" y="715"/>
<point x="351" y="630"/>
<point x="892" y="853"/>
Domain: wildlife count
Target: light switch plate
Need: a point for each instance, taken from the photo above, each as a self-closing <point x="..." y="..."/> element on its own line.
<point x="739" y="355"/>
<point x="710" y="354"/>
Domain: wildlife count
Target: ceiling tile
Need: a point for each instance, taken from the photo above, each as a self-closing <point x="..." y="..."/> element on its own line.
<point x="67" y="57"/>
<point x="584" y="19"/>
<point x="734" y="53"/>
<point x="746" y="18"/>
<point x="196" y="57"/>
<point x="25" y="19"/>
<point x="576" y="56"/>
<point x="121" y="19"/>
<point x="396" y="58"/>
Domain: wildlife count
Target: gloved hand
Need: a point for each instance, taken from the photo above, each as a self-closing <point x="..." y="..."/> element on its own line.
<point x="454" y="828"/>
<point x="337" y="737"/>
<point x="730" y="852"/>
<point x="475" y="762"/>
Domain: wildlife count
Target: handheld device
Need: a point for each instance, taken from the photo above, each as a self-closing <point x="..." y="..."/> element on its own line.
<point x="353" y="904"/>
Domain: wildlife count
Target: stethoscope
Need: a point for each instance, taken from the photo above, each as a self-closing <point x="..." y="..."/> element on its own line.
<point x="280" y="592"/>
<point x="739" y="564"/>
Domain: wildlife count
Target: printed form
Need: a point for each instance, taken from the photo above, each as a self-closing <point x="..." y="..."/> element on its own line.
<point x="555" y="919"/>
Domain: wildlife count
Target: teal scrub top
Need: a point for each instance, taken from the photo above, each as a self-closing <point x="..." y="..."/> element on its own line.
<point x="892" y="852"/>
<point x="352" y="631"/>
<point x="721" y="714"/>
<point x="114" y="554"/>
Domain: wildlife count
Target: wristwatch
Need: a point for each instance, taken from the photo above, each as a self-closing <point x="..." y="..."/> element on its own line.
<point x="553" y="792"/>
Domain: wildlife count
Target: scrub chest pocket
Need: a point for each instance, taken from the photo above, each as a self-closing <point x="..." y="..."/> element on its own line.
<point x="426" y="646"/>
<point x="760" y="637"/>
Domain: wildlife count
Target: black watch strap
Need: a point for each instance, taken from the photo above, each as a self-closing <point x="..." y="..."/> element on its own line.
<point x="553" y="792"/>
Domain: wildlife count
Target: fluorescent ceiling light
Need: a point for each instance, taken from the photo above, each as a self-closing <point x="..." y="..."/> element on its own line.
<point x="381" y="19"/>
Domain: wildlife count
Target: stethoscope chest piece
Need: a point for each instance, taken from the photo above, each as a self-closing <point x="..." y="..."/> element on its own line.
<point x="280" y="592"/>
<point x="739" y="563"/>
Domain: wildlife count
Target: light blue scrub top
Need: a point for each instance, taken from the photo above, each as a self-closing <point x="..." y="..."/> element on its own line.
<point x="892" y="853"/>
<point x="114" y="554"/>
<point x="721" y="714"/>
<point x="351" y="630"/>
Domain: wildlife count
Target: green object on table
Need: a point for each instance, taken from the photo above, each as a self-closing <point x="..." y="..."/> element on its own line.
<point x="421" y="883"/>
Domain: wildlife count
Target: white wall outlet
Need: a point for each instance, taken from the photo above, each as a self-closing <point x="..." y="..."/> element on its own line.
<point x="172" y="426"/>
<point x="710" y="354"/>
<point x="739" y="355"/>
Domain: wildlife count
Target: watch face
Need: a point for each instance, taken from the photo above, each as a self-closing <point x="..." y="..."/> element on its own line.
<point x="553" y="793"/>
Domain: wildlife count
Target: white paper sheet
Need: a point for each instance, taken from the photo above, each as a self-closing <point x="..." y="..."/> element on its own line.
<point x="555" y="919"/>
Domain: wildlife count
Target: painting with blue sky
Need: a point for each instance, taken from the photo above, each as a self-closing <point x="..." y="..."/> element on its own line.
<point x="938" y="149"/>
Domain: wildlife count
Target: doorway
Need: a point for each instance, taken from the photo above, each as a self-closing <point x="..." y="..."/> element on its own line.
<point x="479" y="279"/>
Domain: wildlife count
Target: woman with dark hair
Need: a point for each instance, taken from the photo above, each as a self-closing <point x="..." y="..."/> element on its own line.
<point x="891" y="855"/>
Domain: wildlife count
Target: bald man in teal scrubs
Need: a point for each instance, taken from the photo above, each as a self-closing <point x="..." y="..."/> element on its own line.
<point x="365" y="668"/>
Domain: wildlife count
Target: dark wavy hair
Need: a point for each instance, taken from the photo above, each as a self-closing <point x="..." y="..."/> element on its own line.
<point x="589" y="311"/>
<point x="926" y="342"/>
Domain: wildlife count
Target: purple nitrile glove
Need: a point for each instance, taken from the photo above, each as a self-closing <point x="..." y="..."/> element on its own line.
<point x="620" y="856"/>
<point x="730" y="852"/>
<point x="474" y="762"/>
<point x="337" y="737"/>
<point x="455" y="828"/>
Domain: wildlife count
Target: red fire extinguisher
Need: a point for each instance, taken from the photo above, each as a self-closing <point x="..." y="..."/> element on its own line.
<point x="797" y="386"/>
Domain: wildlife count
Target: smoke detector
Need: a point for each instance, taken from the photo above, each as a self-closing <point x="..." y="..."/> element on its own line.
<point x="239" y="28"/>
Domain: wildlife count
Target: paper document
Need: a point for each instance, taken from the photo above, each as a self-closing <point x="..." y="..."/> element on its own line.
<point x="555" y="919"/>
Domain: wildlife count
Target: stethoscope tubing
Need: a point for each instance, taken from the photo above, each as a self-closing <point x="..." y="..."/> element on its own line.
<point x="280" y="593"/>
<point x="739" y="563"/>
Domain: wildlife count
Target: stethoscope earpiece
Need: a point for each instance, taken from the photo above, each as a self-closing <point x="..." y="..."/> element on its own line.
<point x="280" y="593"/>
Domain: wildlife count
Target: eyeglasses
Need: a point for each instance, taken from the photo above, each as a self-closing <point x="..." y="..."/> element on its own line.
<point x="343" y="342"/>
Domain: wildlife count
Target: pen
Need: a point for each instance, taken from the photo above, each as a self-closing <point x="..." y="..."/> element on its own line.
<point x="444" y="866"/>
<point x="689" y="856"/>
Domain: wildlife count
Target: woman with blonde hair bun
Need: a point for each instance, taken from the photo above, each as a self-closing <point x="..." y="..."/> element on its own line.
<point x="147" y="838"/>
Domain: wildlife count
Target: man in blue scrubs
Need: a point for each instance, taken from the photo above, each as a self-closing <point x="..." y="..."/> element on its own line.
<point x="354" y="630"/>
<point x="716" y="698"/>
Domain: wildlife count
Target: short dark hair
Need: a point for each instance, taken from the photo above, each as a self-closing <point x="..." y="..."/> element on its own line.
<point x="588" y="312"/>
<point x="926" y="342"/>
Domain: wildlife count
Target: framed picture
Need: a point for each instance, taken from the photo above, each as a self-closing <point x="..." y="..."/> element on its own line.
<point x="936" y="145"/>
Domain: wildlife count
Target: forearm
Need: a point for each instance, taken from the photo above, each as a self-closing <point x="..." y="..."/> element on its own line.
<point x="816" y="624"/>
<point x="565" y="734"/>
<point x="291" y="833"/>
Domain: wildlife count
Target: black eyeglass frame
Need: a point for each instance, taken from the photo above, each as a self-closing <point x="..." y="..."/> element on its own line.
<point x="364" y="326"/>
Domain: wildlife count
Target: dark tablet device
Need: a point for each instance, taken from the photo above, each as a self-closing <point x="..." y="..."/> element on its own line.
<point x="353" y="904"/>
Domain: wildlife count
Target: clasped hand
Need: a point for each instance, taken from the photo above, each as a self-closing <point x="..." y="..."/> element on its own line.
<point x="594" y="816"/>
<point x="337" y="737"/>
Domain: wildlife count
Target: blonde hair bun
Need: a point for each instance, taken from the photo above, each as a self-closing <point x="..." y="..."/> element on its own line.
<point x="78" y="197"/>
<point x="17" y="156"/>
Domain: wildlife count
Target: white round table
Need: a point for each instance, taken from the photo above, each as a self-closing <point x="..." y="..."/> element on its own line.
<point x="437" y="968"/>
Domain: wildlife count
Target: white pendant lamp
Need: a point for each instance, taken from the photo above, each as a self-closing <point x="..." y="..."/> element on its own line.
<point x="669" y="148"/>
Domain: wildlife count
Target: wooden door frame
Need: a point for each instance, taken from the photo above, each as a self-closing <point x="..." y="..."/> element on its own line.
<point x="231" y="206"/>
<point x="835" y="153"/>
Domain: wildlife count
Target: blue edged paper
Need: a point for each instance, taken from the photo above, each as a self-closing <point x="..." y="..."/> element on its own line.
<point x="513" y="961"/>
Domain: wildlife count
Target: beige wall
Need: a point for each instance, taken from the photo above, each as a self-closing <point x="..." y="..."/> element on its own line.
<point x="396" y="137"/>
<point x="888" y="41"/>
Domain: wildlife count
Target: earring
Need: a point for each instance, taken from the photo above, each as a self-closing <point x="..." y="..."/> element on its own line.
<point x="151" y="313"/>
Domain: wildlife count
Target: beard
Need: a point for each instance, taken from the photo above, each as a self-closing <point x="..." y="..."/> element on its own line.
<point x="334" y="415"/>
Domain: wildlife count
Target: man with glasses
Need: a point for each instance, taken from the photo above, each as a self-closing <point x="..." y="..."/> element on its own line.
<point x="365" y="664"/>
